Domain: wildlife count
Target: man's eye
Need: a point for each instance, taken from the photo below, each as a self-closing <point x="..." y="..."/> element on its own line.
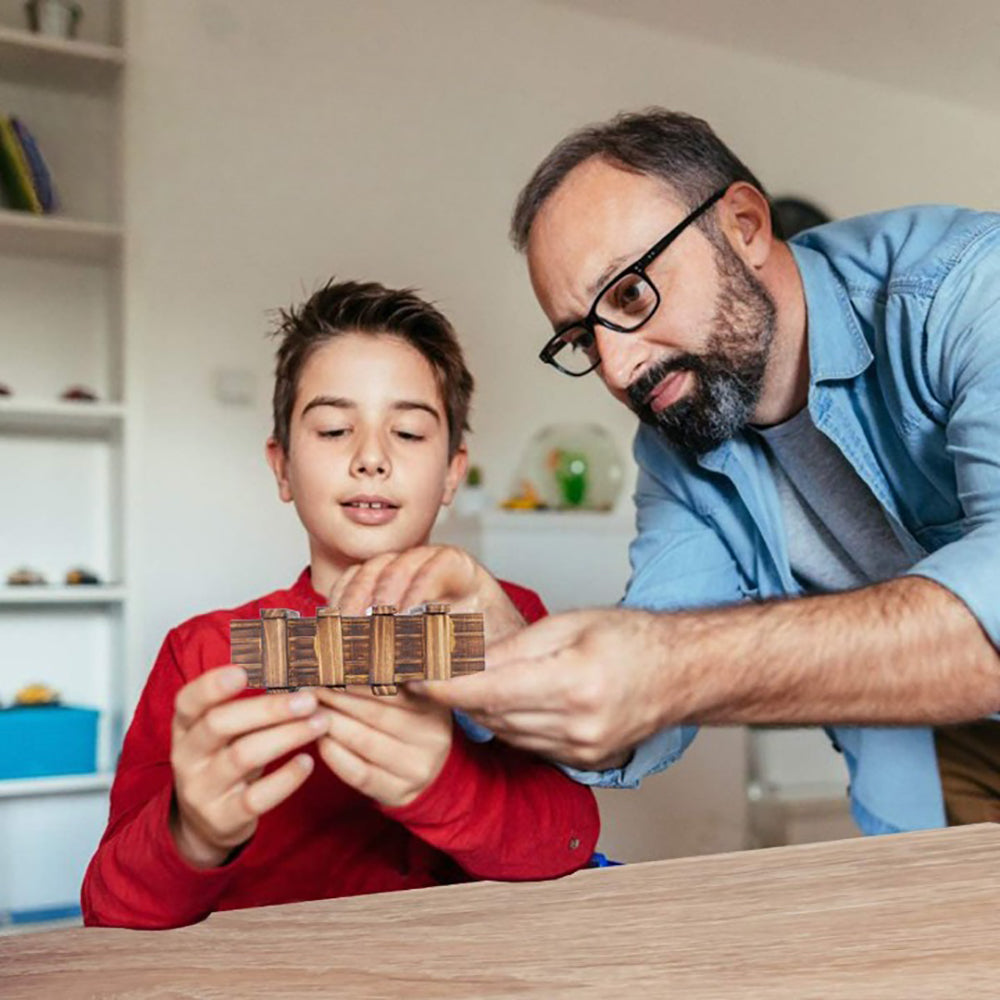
<point x="633" y="295"/>
<point x="409" y="436"/>
<point x="333" y="432"/>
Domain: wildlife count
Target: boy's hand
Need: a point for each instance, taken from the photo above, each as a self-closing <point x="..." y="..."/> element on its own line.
<point x="389" y="748"/>
<point x="219" y="749"/>
<point x="424" y="574"/>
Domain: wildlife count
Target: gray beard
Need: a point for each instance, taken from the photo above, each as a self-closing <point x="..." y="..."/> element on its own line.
<point x="729" y="375"/>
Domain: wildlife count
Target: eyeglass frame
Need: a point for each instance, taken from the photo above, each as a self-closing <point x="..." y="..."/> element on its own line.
<point x="639" y="266"/>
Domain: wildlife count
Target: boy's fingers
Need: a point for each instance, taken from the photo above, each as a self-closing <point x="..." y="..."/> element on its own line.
<point x="272" y="789"/>
<point x="212" y="688"/>
<point x="343" y="581"/>
<point x="253" y="752"/>
<point x="359" y="773"/>
<point x="395" y="584"/>
<point x="358" y="594"/>
<point x="223" y="723"/>
<point x="378" y="748"/>
<point x="385" y="713"/>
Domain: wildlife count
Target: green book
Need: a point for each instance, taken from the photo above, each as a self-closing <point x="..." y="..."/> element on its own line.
<point x="15" y="173"/>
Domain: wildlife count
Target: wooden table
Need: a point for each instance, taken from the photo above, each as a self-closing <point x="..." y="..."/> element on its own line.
<point x="909" y="917"/>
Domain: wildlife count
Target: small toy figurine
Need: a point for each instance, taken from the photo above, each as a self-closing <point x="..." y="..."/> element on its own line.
<point x="75" y="577"/>
<point x="528" y="498"/>
<point x="37" y="694"/>
<point x="282" y="651"/>
<point x="79" y="394"/>
<point x="24" y="576"/>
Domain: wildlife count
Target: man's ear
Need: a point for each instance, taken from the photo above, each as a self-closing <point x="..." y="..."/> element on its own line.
<point x="456" y="473"/>
<point x="278" y="460"/>
<point x="745" y="217"/>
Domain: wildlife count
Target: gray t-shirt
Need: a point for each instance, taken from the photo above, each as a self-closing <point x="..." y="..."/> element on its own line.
<point x="837" y="533"/>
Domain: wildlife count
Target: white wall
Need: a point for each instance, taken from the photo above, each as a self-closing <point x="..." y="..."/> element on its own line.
<point x="270" y="145"/>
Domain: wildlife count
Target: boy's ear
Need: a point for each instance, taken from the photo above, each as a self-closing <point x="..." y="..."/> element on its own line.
<point x="278" y="460"/>
<point x="456" y="473"/>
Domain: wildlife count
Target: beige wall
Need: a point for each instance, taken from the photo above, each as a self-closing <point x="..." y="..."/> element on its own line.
<point x="271" y="145"/>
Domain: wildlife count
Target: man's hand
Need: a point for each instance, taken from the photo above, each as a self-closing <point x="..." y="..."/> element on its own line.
<point x="579" y="688"/>
<point x="220" y="747"/>
<point x="583" y="687"/>
<point x="388" y="748"/>
<point x="424" y="574"/>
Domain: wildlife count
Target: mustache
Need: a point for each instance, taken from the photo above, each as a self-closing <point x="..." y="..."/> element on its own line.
<point x="638" y="392"/>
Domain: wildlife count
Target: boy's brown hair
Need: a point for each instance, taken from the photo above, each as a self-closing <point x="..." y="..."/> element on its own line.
<point x="370" y="308"/>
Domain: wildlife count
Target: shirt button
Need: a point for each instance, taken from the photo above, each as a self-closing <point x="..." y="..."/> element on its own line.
<point x="574" y="843"/>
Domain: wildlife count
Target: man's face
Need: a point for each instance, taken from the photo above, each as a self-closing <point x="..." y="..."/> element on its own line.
<point x="367" y="466"/>
<point x="696" y="368"/>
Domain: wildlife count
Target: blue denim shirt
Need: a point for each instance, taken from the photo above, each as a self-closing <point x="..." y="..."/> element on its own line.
<point x="904" y="349"/>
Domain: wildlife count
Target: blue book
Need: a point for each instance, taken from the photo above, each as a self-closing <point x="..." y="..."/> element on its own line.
<point x="39" y="169"/>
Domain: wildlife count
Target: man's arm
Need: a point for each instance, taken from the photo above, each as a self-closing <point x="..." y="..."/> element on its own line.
<point x="582" y="686"/>
<point x="918" y="649"/>
<point x="905" y="652"/>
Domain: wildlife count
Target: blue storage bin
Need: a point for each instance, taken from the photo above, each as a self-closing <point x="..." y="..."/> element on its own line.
<point x="43" y="740"/>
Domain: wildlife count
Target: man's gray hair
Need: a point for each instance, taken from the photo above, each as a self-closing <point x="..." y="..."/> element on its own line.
<point x="678" y="148"/>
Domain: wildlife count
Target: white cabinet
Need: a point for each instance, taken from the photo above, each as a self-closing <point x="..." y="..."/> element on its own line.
<point x="64" y="464"/>
<point x="573" y="559"/>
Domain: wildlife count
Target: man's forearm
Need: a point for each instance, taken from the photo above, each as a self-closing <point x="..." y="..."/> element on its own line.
<point x="906" y="651"/>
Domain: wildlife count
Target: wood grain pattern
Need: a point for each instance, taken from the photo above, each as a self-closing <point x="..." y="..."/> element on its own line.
<point x="438" y="641"/>
<point x="382" y="649"/>
<point x="281" y="650"/>
<point x="329" y="648"/>
<point x="275" y="646"/>
<point x="910" y="917"/>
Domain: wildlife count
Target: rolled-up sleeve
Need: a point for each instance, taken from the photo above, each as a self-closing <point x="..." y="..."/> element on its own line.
<point x="962" y="355"/>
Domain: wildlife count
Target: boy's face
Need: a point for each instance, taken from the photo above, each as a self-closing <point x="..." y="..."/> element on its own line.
<point x="367" y="466"/>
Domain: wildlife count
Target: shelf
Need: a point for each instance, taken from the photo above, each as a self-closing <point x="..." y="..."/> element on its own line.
<point x="62" y="784"/>
<point x="601" y="522"/>
<point x="60" y="416"/>
<point x="25" y="234"/>
<point x="83" y="593"/>
<point x="31" y="58"/>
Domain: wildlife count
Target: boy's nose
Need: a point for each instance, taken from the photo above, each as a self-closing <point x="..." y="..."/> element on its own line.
<point x="369" y="465"/>
<point x="370" y="459"/>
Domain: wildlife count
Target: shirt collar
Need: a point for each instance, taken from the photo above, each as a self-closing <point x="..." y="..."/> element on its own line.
<point x="837" y="347"/>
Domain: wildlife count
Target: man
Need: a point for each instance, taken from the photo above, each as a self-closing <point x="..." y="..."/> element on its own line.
<point x="820" y="421"/>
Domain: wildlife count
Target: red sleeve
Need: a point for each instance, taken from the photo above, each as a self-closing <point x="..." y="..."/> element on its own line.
<point x="527" y="602"/>
<point x="504" y="814"/>
<point x="137" y="878"/>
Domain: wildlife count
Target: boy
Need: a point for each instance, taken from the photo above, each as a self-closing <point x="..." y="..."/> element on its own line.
<point x="227" y="799"/>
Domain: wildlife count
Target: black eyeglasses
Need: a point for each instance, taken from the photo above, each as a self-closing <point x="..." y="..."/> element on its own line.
<point x="624" y="304"/>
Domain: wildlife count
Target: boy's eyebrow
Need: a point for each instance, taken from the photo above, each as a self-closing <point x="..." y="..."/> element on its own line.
<point x="412" y="404"/>
<point x="342" y="403"/>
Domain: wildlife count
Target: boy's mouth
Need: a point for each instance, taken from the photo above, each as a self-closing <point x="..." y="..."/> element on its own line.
<point x="369" y="510"/>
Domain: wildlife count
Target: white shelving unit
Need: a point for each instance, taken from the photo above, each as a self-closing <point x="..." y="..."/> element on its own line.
<point x="46" y="236"/>
<point x="65" y="462"/>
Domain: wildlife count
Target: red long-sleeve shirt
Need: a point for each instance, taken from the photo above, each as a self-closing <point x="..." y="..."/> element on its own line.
<point x="493" y="812"/>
